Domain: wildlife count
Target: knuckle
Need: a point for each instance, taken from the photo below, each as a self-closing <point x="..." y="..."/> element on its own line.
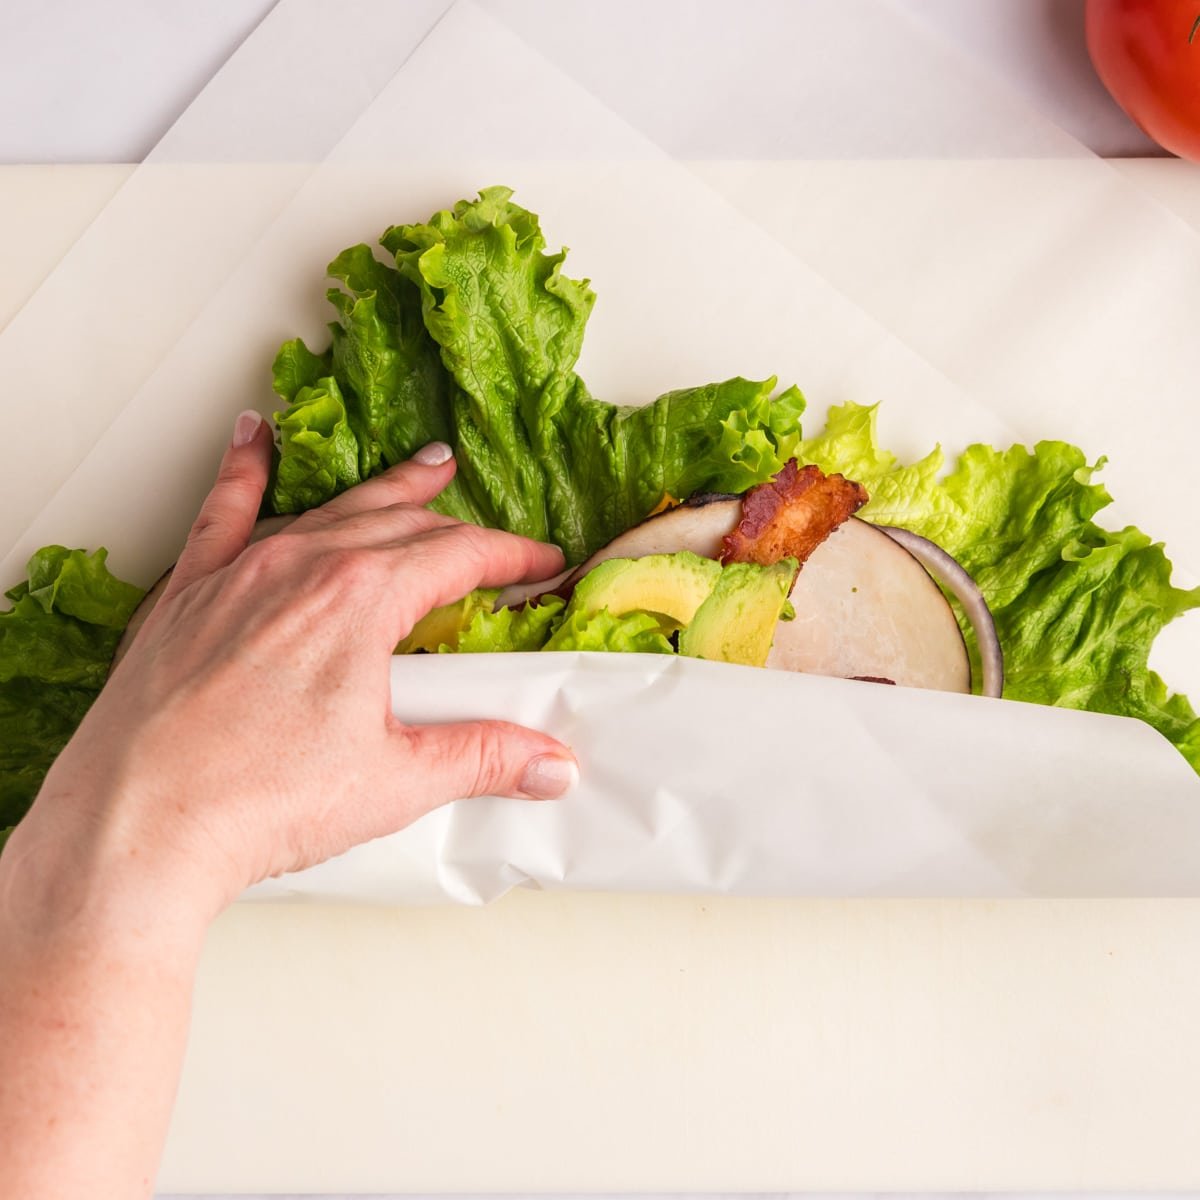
<point x="348" y="567"/>
<point x="236" y="472"/>
<point x="213" y="523"/>
<point x="468" y="541"/>
<point x="266" y="556"/>
<point x="489" y="753"/>
<point x="315" y="518"/>
<point x="412" y="514"/>
<point x="394" y="520"/>
<point x="326" y="571"/>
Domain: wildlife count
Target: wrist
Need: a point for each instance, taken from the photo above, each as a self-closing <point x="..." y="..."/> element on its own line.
<point x="71" y="873"/>
<point x="97" y="966"/>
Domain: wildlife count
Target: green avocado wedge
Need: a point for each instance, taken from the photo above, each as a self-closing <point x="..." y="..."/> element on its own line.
<point x="736" y="624"/>
<point x="673" y="585"/>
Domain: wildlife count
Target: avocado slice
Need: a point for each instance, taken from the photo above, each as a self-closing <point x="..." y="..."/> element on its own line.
<point x="445" y="625"/>
<point x="737" y="622"/>
<point x="675" y="585"/>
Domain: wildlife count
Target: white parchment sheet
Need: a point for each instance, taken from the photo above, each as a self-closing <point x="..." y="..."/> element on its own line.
<point x="293" y="94"/>
<point x="702" y="776"/>
<point x="1062" y="294"/>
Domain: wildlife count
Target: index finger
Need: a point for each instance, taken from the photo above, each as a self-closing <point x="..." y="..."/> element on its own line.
<point x="415" y="481"/>
<point x="442" y="565"/>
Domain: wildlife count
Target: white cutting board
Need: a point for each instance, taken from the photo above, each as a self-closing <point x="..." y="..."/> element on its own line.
<point x="559" y="1042"/>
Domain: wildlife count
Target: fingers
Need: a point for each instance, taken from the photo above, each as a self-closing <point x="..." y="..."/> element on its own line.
<point x="380" y="526"/>
<point x="483" y="758"/>
<point x="416" y="481"/>
<point x="226" y="521"/>
<point x="388" y="509"/>
<point x="376" y="539"/>
<point x="442" y="565"/>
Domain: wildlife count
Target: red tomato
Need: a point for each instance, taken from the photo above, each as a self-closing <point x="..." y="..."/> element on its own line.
<point x="1147" y="52"/>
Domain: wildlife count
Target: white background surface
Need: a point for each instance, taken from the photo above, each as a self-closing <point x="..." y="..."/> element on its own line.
<point x="103" y="89"/>
<point x="103" y="82"/>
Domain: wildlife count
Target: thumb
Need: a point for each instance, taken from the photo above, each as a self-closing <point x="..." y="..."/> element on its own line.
<point x="486" y="758"/>
<point x="226" y="521"/>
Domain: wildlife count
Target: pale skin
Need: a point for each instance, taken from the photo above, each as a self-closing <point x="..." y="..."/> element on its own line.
<point x="246" y="733"/>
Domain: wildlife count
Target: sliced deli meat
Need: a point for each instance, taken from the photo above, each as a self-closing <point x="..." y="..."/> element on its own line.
<point x="699" y="525"/>
<point x="866" y="608"/>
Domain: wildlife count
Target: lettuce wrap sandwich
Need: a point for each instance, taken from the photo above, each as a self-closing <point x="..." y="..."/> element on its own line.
<point x="468" y="332"/>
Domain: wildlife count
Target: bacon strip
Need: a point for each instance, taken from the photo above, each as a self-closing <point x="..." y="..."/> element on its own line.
<point x="791" y="515"/>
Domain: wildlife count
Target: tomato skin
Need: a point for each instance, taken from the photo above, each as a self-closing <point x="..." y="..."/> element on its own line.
<point x="1147" y="53"/>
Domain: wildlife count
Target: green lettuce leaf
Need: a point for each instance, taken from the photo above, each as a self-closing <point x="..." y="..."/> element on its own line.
<point x="527" y="627"/>
<point x="36" y="720"/>
<point x="297" y="367"/>
<point x="632" y="632"/>
<point x="1077" y="607"/>
<point x="319" y="454"/>
<point x="80" y="585"/>
<point x="472" y="338"/>
<point x="56" y="643"/>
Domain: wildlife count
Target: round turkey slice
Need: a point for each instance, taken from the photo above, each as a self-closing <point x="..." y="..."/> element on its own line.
<point x="699" y="525"/>
<point x="866" y="608"/>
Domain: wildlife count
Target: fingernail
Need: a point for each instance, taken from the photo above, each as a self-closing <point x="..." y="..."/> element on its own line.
<point x="246" y="426"/>
<point x="547" y="777"/>
<point x="433" y="455"/>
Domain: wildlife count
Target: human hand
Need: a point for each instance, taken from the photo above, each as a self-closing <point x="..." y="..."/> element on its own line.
<point x="248" y="730"/>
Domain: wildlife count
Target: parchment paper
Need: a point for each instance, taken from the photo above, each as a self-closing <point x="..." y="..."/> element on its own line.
<point x="701" y="776"/>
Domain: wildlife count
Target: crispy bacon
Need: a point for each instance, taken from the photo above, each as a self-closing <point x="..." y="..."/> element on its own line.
<point x="791" y="515"/>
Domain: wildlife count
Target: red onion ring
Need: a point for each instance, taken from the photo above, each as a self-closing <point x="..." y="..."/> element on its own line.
<point x="951" y="575"/>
